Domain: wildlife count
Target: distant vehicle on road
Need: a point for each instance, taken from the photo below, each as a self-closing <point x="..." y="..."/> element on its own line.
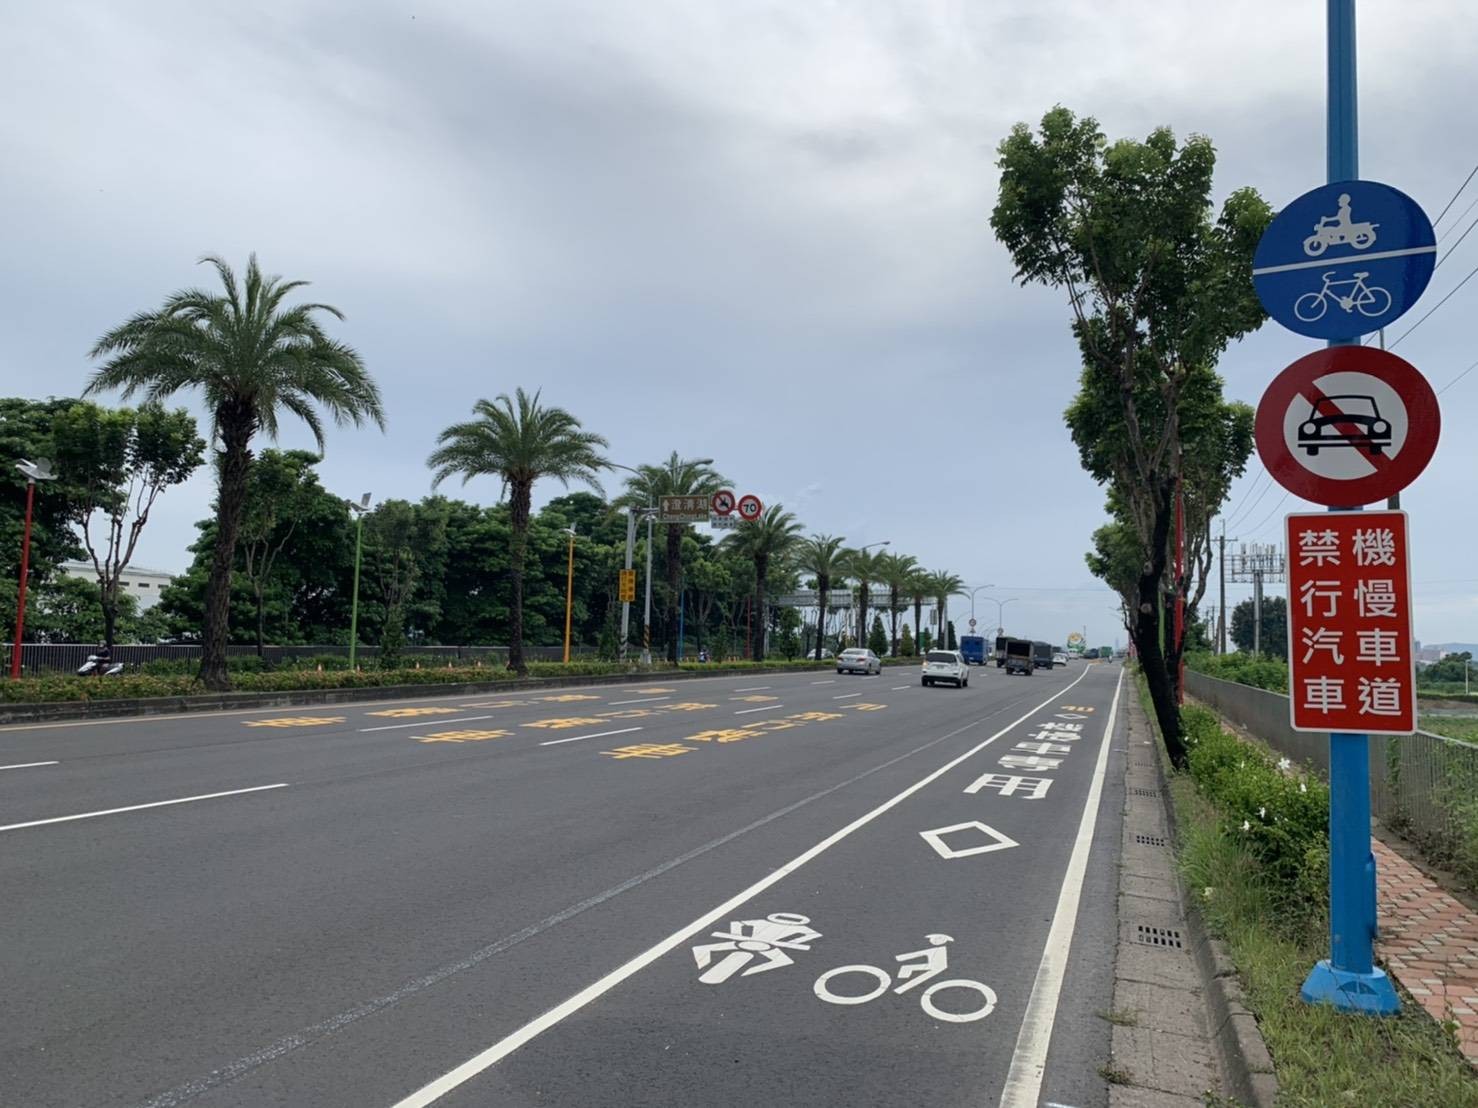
<point x="1059" y="659"/>
<point x="972" y="648"/>
<point x="1042" y="654"/>
<point x="946" y="665"/>
<point x="858" y="660"/>
<point x="1001" y="641"/>
<point x="1019" y="657"/>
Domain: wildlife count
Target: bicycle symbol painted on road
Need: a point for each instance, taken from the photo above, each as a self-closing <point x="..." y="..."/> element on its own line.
<point x="931" y="962"/>
<point x="1369" y="300"/>
<point x="1338" y="230"/>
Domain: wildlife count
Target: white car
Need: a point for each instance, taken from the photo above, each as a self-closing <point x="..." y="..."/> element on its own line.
<point x="946" y="665"/>
<point x="858" y="660"/>
<point x="1059" y="659"/>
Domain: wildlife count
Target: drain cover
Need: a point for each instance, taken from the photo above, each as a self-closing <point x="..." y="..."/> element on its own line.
<point x="1166" y="937"/>
<point x="1144" y="792"/>
<point x="1150" y="840"/>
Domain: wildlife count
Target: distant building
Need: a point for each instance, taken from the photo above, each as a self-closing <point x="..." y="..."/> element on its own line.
<point x="142" y="584"/>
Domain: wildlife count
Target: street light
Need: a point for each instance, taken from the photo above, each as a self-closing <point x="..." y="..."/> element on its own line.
<point x="34" y="471"/>
<point x="973" y="591"/>
<point x="358" y="510"/>
<point x="1000" y="606"/>
<point x="569" y="592"/>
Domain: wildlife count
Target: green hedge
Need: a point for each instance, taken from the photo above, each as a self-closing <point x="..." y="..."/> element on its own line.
<point x="1260" y="673"/>
<point x="1283" y="819"/>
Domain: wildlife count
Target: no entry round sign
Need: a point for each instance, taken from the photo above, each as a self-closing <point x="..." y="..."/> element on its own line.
<point x="1347" y="426"/>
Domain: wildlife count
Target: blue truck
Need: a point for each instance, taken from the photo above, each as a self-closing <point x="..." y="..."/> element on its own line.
<point x="972" y="648"/>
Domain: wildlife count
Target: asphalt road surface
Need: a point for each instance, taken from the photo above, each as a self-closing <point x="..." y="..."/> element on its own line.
<point x="799" y="889"/>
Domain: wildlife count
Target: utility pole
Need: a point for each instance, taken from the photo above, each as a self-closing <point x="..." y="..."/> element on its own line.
<point x="1260" y="563"/>
<point x="1221" y="629"/>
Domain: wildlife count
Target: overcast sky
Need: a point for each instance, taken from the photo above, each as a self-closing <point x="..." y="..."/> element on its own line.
<point x="751" y="230"/>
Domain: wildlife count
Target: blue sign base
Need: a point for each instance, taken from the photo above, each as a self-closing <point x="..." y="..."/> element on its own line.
<point x="1370" y="994"/>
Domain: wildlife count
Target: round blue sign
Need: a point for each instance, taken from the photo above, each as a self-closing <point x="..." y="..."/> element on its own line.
<point x="1344" y="260"/>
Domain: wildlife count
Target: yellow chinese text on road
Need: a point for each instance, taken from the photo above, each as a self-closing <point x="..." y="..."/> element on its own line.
<point x="295" y="721"/>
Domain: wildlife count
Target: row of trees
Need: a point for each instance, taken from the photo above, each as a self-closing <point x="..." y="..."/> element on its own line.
<point x="272" y="559"/>
<point x="1158" y="286"/>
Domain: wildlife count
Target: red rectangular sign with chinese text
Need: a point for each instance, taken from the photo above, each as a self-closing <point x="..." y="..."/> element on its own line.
<point x="1350" y="657"/>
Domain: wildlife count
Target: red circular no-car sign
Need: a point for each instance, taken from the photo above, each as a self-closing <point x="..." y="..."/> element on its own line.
<point x="1347" y="426"/>
<point x="750" y="506"/>
<point x="722" y="502"/>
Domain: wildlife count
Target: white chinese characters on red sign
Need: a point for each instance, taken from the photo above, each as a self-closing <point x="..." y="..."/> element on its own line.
<point x="1349" y="623"/>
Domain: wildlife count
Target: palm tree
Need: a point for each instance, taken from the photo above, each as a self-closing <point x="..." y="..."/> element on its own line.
<point x="252" y="358"/>
<point x="822" y="557"/>
<point x="918" y="590"/>
<point x="518" y="441"/>
<point x="942" y="586"/>
<point x="763" y="540"/>
<point x="865" y="568"/>
<point x="897" y="571"/>
<point x="675" y="477"/>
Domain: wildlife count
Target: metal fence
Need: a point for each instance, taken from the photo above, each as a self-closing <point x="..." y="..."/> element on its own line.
<point x="44" y="658"/>
<point x="1423" y="785"/>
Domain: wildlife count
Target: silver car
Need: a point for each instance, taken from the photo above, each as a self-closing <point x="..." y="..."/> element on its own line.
<point x="858" y="660"/>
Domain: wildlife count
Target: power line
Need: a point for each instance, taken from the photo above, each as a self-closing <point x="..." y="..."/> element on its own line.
<point x="1455" y="245"/>
<point x="1458" y="378"/>
<point x="1439" y="304"/>
<point x="1455" y="195"/>
<point x="1256" y="502"/>
<point x="1230" y="518"/>
<point x="1271" y="514"/>
<point x="1471" y="205"/>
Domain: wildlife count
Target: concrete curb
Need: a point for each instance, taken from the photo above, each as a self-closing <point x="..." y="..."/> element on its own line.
<point x="61" y="711"/>
<point x="1245" y="1061"/>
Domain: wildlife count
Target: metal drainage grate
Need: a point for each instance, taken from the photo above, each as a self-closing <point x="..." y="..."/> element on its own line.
<point x="1166" y="937"/>
<point x="1144" y="792"/>
<point x="1150" y="840"/>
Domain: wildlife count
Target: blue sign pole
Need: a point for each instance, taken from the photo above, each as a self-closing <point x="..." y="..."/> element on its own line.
<point x="1348" y="979"/>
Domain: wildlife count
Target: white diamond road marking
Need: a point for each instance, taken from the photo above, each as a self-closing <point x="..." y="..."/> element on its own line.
<point x="997" y="841"/>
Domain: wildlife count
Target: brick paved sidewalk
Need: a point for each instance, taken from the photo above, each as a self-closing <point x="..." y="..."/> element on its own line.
<point x="1429" y="942"/>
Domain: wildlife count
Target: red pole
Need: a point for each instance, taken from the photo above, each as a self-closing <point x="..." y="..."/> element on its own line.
<point x="20" y="602"/>
<point x="1179" y="592"/>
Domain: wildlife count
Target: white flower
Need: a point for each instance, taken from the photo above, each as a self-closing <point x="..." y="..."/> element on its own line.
<point x="1206" y="892"/>
<point x="1246" y="826"/>
<point x="1302" y="787"/>
<point x="1283" y="764"/>
<point x="1262" y="813"/>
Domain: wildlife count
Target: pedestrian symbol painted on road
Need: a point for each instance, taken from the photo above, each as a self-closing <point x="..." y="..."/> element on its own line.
<point x="753" y="946"/>
<point x="1345" y="259"/>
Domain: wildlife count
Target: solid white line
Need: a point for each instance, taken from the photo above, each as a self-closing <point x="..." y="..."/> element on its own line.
<point x="643" y="700"/>
<point x="597" y="735"/>
<point x="435" y="1090"/>
<point x="753" y="688"/>
<point x="766" y="708"/>
<point x="833" y="681"/>
<point x="846" y="696"/>
<point x="28" y="765"/>
<point x="140" y="807"/>
<point x="422" y="723"/>
<point x="1348" y="259"/>
<point x="1023" y="1085"/>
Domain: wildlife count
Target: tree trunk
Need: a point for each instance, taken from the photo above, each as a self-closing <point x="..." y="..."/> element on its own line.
<point x="862" y="591"/>
<point x="518" y="518"/>
<point x="235" y="423"/>
<point x="261" y="617"/>
<point x="893" y="618"/>
<point x="110" y="619"/>
<point x="1146" y="632"/>
<point x="918" y="623"/>
<point x="757" y="617"/>
<point x="674" y="584"/>
<point x="823" y="586"/>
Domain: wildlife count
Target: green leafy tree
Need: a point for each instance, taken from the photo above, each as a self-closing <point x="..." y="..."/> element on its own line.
<point x="252" y="357"/>
<point x="926" y="641"/>
<point x="519" y="441"/>
<point x="1274" y="626"/>
<point x="675" y="477"/>
<point x="403" y="543"/>
<point x="1157" y="289"/>
<point x="762" y="541"/>
<point x="823" y="557"/>
<point x="897" y="572"/>
<point x="710" y="578"/>
<point x="906" y="647"/>
<point x="942" y="585"/>
<point x="952" y="641"/>
<point x="918" y="592"/>
<point x="866" y="568"/>
<point x="877" y="638"/>
<point x="279" y="494"/>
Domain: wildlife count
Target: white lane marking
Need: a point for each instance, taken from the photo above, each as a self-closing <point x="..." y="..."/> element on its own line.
<point x="421" y="723"/>
<point x="1023" y="1086"/>
<point x="833" y="681"/>
<point x="640" y="700"/>
<point x="597" y="735"/>
<point x="140" y="807"/>
<point x="28" y="765"/>
<point x="846" y="696"/>
<point x="435" y="1090"/>
<point x="753" y="688"/>
<point x="897" y="687"/>
<point x="766" y="708"/>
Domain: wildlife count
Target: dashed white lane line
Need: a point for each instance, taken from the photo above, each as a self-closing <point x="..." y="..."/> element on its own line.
<point x="435" y="1090"/>
<point x="831" y="682"/>
<point x="897" y="687"/>
<point x="766" y="708"/>
<point x="640" y="700"/>
<point x="753" y="688"/>
<point x="421" y="723"/>
<point x="597" y="735"/>
<point x="29" y="765"/>
<point x="846" y="696"/>
<point x="140" y="807"/>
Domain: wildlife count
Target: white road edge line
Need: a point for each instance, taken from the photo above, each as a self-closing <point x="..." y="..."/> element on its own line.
<point x="140" y="807"/>
<point x="28" y="765"/>
<point x="1023" y="1087"/>
<point x="742" y="712"/>
<point x="642" y="700"/>
<point x="753" y="688"/>
<point x="597" y="735"/>
<point x="435" y="1090"/>
<point x="421" y="723"/>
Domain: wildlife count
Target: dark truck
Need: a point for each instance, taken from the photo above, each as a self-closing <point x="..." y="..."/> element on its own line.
<point x="1001" y="641"/>
<point x="972" y="649"/>
<point x="1042" y="654"/>
<point x="1019" y="657"/>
